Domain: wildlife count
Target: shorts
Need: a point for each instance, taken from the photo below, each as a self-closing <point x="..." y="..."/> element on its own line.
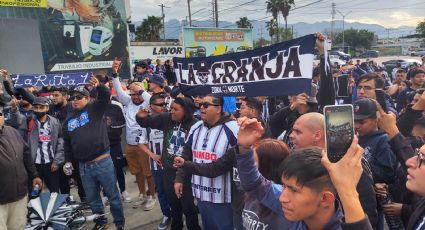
<point x="137" y="160"/>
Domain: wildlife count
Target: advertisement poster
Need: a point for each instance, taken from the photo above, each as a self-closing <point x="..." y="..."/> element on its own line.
<point x="204" y="42"/>
<point x="77" y="35"/>
<point x="24" y="3"/>
<point x="161" y="52"/>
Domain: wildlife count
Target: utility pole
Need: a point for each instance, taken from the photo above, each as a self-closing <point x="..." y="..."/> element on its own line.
<point x="216" y="13"/>
<point x="213" y="12"/>
<point x="333" y="20"/>
<point x="261" y="37"/>
<point x="190" y="15"/>
<point x="163" y="21"/>
<point x="343" y="27"/>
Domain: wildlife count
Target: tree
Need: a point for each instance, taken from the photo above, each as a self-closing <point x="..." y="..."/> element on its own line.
<point x="272" y="28"/>
<point x="150" y="29"/>
<point x="280" y="6"/>
<point x="356" y="38"/>
<point x="420" y="28"/>
<point x="261" y="43"/>
<point x="244" y="23"/>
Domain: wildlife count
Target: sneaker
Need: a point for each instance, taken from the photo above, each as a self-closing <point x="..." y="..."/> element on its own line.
<point x="164" y="223"/>
<point x="105" y="201"/>
<point x="100" y="227"/>
<point x="140" y="201"/>
<point x="125" y="197"/>
<point x="150" y="203"/>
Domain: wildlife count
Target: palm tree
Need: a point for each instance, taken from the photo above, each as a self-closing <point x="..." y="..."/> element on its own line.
<point x="272" y="6"/>
<point x="280" y="6"/>
<point x="272" y="28"/>
<point x="284" y="8"/>
<point x="150" y="29"/>
<point x="244" y="23"/>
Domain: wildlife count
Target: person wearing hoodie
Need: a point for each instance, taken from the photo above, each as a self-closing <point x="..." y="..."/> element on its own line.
<point x="209" y="140"/>
<point x="175" y="126"/>
<point x="375" y="143"/>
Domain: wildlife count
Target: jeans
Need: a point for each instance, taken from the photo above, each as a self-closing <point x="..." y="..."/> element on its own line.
<point x="185" y="205"/>
<point x="215" y="216"/>
<point x="97" y="175"/>
<point x="160" y="192"/>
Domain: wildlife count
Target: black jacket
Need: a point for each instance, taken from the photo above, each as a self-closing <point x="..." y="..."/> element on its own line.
<point x="16" y="166"/>
<point x="84" y="132"/>
<point x="115" y="122"/>
<point x="406" y="120"/>
<point x="171" y="130"/>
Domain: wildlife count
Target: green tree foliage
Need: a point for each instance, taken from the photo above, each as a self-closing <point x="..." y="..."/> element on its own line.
<point x="150" y="29"/>
<point x="356" y="38"/>
<point x="280" y="6"/>
<point x="420" y="28"/>
<point x="243" y="23"/>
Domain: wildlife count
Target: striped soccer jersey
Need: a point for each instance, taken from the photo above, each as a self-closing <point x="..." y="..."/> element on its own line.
<point x="154" y="138"/>
<point x="45" y="150"/>
<point x="207" y="146"/>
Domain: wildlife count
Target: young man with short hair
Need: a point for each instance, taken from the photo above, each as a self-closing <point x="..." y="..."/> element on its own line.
<point x="46" y="143"/>
<point x="151" y="143"/>
<point x="310" y="184"/>
<point x="417" y="80"/>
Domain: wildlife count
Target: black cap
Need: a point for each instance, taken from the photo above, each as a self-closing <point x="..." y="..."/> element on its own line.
<point x="41" y="101"/>
<point x="365" y="108"/>
<point x="142" y="64"/>
<point x="157" y="79"/>
<point x="80" y="89"/>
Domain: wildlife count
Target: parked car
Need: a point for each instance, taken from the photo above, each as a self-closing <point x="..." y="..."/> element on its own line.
<point x="369" y="54"/>
<point x="340" y="54"/>
<point x="335" y="60"/>
<point x="405" y="63"/>
<point x="419" y="53"/>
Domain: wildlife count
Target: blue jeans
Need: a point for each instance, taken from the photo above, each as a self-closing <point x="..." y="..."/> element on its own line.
<point x="97" y="175"/>
<point x="160" y="192"/>
<point x="216" y="216"/>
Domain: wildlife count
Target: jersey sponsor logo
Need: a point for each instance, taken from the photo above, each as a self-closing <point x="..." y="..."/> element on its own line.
<point x="79" y="121"/>
<point x="206" y="188"/>
<point x="250" y="220"/>
<point x="203" y="155"/>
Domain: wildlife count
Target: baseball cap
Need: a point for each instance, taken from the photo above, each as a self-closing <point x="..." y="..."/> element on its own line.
<point x="142" y="64"/>
<point x="40" y="101"/>
<point x="82" y="90"/>
<point x="157" y="79"/>
<point x="365" y="108"/>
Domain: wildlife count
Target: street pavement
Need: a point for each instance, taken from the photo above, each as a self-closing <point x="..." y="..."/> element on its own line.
<point x="135" y="218"/>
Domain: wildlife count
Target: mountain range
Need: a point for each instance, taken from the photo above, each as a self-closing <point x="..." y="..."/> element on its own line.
<point x="173" y="28"/>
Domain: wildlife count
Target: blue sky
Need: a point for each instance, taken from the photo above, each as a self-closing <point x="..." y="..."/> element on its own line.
<point x="388" y="13"/>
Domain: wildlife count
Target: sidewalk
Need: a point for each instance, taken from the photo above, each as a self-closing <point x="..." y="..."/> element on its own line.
<point x="135" y="218"/>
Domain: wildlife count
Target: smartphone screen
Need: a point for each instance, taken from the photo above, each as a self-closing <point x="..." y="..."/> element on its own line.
<point x="339" y="130"/>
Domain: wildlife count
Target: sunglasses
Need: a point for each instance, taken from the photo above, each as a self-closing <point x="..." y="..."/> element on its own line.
<point x="420" y="159"/>
<point x="134" y="94"/>
<point x="160" y="104"/>
<point x="78" y="97"/>
<point x="1" y="114"/>
<point x="206" y="104"/>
